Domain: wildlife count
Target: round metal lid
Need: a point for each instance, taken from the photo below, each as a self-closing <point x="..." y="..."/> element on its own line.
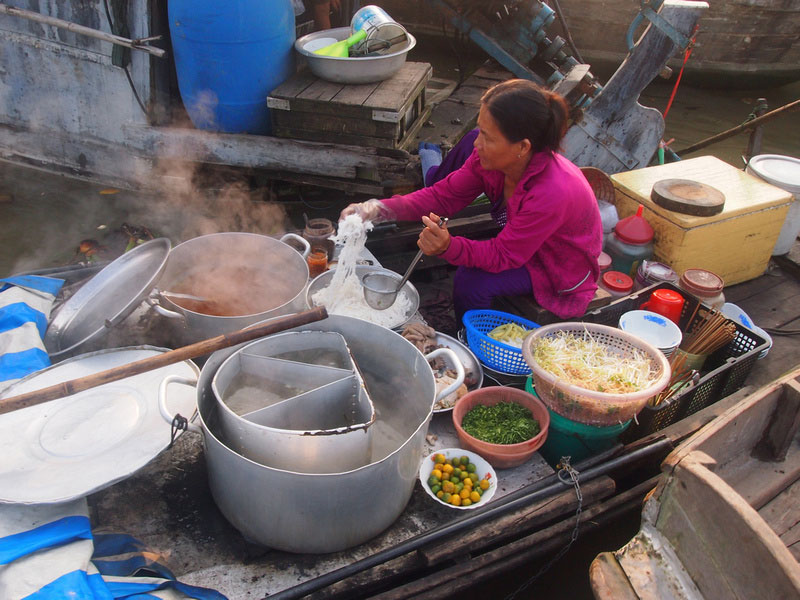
<point x="65" y="449"/>
<point x="106" y="299"/>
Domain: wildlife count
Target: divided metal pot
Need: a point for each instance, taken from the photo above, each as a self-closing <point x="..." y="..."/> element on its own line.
<point x="247" y="276"/>
<point x="274" y="507"/>
<point x="278" y="407"/>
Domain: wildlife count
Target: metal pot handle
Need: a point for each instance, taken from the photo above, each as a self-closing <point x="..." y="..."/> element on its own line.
<point x="301" y="240"/>
<point x="458" y="367"/>
<point x="162" y="400"/>
<point x="152" y="301"/>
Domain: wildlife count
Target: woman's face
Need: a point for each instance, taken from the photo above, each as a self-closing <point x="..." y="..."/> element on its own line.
<point x="494" y="149"/>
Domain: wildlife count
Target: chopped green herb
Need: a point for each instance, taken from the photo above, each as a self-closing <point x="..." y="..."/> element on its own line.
<point x="501" y="423"/>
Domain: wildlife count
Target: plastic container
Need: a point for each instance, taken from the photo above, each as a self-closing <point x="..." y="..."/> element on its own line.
<point x="589" y="406"/>
<point x="609" y="218"/>
<point x="604" y="262"/>
<point x="726" y="369"/>
<point x="630" y="243"/>
<point x="576" y="440"/>
<point x="705" y="285"/>
<point x="615" y="283"/>
<point x="228" y="57"/>
<point x="667" y="303"/>
<point x="493" y="354"/>
<point x="651" y="272"/>
<point x="783" y="172"/>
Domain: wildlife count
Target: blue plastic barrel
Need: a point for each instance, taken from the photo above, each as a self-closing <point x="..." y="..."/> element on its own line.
<point x="229" y="56"/>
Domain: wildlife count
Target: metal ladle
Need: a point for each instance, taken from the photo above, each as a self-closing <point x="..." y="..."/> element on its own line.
<point x="380" y="289"/>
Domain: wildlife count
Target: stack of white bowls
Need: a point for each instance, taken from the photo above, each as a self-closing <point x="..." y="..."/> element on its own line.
<point x="653" y="328"/>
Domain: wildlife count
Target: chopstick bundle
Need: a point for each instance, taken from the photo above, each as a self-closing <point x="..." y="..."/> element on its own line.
<point x="712" y="332"/>
<point x="681" y="377"/>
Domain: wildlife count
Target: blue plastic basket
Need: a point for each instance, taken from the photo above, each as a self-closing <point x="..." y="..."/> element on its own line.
<point x="493" y="354"/>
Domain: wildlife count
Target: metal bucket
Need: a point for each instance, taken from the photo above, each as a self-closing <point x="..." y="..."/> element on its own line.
<point x="247" y="277"/>
<point x="274" y="507"/>
<point x="294" y="413"/>
<point x="377" y="23"/>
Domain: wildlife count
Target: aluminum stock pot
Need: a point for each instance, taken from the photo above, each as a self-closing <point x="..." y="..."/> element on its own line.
<point x="274" y="507"/>
<point x="241" y="279"/>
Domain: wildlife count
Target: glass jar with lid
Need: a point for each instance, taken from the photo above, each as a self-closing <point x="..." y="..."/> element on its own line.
<point x="651" y="272"/>
<point x="318" y="232"/>
<point x="705" y="285"/>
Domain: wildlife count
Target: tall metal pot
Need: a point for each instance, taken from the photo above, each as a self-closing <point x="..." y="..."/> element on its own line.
<point x="317" y="513"/>
<point x="248" y="278"/>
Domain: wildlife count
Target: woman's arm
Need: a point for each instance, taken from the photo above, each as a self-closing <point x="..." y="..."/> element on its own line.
<point x="446" y="197"/>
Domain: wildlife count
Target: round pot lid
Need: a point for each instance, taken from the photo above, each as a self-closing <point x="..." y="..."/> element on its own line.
<point x="68" y="448"/>
<point x="106" y="299"/>
<point x="688" y="197"/>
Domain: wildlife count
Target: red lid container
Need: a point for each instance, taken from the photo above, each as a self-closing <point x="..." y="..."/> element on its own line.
<point x="617" y="282"/>
<point x="634" y="229"/>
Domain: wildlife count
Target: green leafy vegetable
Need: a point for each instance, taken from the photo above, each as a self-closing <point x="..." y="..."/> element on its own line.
<point x="501" y="423"/>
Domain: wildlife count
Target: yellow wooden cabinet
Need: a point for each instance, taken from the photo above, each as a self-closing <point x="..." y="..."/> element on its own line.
<point x="736" y="244"/>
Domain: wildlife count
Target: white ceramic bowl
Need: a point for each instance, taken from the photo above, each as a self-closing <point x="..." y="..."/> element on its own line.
<point x="653" y="328"/>
<point x="484" y="471"/>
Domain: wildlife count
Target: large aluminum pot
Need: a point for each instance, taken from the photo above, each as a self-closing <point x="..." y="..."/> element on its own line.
<point x="275" y="507"/>
<point x="246" y="277"/>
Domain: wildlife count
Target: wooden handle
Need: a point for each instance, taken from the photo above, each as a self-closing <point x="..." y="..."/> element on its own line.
<point x="73" y="386"/>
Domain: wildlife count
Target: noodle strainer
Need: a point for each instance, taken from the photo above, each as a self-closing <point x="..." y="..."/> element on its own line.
<point x="380" y="289"/>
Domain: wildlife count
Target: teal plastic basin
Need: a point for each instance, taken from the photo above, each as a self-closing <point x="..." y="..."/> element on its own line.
<point x="576" y="440"/>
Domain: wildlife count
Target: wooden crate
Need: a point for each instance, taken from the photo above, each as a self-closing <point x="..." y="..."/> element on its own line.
<point x="382" y="114"/>
<point x="736" y="244"/>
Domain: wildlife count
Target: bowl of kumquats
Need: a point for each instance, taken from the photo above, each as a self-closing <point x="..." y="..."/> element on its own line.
<point x="458" y="478"/>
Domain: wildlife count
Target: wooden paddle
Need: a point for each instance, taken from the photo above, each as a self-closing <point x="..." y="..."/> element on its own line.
<point x="73" y="386"/>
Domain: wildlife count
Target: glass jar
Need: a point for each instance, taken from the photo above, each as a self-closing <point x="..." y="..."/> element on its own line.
<point x="317" y="261"/>
<point x="705" y="285"/>
<point x="318" y="232"/>
<point x="651" y="272"/>
<point x="617" y="284"/>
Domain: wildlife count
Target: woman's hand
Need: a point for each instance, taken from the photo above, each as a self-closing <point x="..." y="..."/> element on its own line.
<point x="433" y="240"/>
<point x="372" y="210"/>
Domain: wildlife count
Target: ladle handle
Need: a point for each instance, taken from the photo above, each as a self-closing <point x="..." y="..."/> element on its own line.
<point x="73" y="386"/>
<point x="414" y="262"/>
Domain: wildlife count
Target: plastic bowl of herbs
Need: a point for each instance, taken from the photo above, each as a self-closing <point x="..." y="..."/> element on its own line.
<point x="504" y="425"/>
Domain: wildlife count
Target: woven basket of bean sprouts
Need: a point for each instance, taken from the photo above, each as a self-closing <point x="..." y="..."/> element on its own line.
<point x="594" y="374"/>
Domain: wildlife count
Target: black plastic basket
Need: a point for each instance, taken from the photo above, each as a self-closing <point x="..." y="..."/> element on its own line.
<point x="724" y="371"/>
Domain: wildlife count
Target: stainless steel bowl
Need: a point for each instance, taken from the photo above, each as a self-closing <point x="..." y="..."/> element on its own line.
<point x="357" y="69"/>
<point x="324" y="280"/>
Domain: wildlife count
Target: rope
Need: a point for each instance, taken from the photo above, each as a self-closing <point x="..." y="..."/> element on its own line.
<point x="179" y="423"/>
<point x="568" y="476"/>
<point x="686" y="56"/>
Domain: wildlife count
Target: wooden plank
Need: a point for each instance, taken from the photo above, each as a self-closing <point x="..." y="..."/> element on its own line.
<point x="301" y="125"/>
<point x="293" y="86"/>
<point x="608" y="580"/>
<point x="446" y="583"/>
<point x="511" y="526"/>
<point x="324" y="91"/>
<point x="325" y="136"/>
<point x="782" y="514"/>
<point x="782" y="427"/>
<point x="731" y="552"/>
<point x="395" y="93"/>
<point x="271" y="153"/>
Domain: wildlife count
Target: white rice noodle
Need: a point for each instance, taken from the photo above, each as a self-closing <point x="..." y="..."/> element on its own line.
<point x="345" y="295"/>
